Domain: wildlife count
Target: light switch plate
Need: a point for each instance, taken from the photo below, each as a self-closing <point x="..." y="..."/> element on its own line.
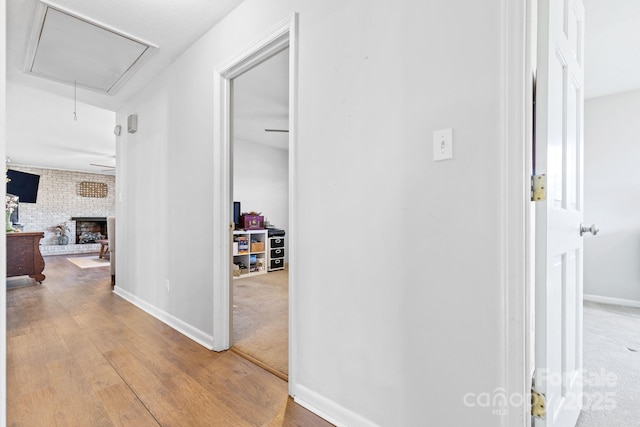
<point x="443" y="144"/>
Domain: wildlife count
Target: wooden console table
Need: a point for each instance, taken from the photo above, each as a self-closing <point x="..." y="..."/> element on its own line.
<point x="23" y="255"/>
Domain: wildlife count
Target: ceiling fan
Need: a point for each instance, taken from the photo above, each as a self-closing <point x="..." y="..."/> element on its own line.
<point x="110" y="168"/>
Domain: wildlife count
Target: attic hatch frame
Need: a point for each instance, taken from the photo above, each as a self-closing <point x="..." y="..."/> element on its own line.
<point x="282" y="36"/>
<point x="36" y="33"/>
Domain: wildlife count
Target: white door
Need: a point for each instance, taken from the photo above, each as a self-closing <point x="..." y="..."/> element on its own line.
<point x="558" y="257"/>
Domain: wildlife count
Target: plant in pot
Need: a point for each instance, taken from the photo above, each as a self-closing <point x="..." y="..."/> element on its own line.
<point x="11" y="202"/>
<point x="62" y="231"/>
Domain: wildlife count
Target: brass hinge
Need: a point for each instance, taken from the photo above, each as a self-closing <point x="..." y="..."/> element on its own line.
<point x="538" y="404"/>
<point x="538" y="187"/>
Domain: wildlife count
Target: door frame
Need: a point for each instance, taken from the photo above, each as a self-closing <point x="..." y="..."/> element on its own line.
<point x="518" y="36"/>
<point x="3" y="191"/>
<point x="283" y="35"/>
<point x="519" y="39"/>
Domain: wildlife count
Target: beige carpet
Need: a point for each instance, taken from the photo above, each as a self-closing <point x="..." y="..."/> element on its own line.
<point x="260" y="318"/>
<point x="611" y="365"/>
<point x="89" y="261"/>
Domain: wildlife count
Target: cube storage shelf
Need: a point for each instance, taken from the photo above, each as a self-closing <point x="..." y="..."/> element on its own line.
<point x="249" y="252"/>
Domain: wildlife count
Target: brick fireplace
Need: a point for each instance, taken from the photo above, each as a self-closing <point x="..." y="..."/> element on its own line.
<point x="90" y="229"/>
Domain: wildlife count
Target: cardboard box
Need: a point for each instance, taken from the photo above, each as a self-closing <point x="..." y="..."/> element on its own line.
<point x="257" y="246"/>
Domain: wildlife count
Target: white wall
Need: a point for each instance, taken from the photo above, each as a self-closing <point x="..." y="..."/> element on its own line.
<point x="612" y="196"/>
<point x="400" y="291"/>
<point x="41" y="130"/>
<point x="261" y="181"/>
<point x="261" y="159"/>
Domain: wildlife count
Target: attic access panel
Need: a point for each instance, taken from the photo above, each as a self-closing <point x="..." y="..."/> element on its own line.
<point x="69" y="48"/>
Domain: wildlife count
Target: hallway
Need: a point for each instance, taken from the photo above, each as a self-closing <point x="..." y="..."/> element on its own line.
<point x="79" y="355"/>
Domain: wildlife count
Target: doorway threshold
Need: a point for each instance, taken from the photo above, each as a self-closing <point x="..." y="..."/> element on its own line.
<point x="263" y="365"/>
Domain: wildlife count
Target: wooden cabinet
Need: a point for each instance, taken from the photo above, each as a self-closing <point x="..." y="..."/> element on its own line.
<point x="23" y="255"/>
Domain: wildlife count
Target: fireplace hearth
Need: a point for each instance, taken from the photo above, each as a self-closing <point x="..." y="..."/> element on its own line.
<point x="90" y="229"/>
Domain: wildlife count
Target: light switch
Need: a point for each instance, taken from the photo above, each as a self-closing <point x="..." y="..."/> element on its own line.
<point x="443" y="144"/>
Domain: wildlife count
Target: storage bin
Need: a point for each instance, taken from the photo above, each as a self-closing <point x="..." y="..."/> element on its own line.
<point x="277" y="253"/>
<point x="252" y="222"/>
<point x="277" y="242"/>
<point x="276" y="263"/>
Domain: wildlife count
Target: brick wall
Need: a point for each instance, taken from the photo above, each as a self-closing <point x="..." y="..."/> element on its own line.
<point x="59" y="199"/>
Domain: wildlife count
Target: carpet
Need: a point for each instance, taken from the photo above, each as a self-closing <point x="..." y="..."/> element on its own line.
<point x="612" y="366"/>
<point x="89" y="261"/>
<point x="261" y="318"/>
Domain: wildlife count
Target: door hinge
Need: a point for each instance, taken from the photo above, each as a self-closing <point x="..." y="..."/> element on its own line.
<point x="538" y="404"/>
<point x="538" y="188"/>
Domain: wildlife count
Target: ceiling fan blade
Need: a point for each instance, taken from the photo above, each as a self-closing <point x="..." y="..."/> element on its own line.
<point x="276" y="130"/>
<point x="102" y="166"/>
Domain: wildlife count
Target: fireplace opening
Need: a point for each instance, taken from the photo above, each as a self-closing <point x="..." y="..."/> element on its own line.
<point x="90" y="229"/>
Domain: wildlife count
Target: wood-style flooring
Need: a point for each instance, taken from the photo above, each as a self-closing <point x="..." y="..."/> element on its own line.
<point x="79" y="355"/>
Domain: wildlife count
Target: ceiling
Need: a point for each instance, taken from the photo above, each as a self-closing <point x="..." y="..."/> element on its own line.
<point x="171" y="25"/>
<point x="40" y="126"/>
<point x="612" y="46"/>
<point x="261" y="101"/>
<point x="74" y="50"/>
<point x="41" y="130"/>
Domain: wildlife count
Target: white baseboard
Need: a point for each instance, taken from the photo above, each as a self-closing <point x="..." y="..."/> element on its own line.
<point x="314" y="402"/>
<point x="184" y="328"/>
<point x="329" y="410"/>
<point x="609" y="300"/>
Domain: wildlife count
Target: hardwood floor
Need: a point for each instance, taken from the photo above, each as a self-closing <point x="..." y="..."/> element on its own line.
<point x="79" y="355"/>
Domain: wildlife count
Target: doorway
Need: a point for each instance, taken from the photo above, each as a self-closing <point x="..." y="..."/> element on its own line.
<point x="260" y="164"/>
<point x="282" y="37"/>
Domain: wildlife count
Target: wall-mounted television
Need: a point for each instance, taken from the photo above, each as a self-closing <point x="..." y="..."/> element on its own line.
<point x="24" y="185"/>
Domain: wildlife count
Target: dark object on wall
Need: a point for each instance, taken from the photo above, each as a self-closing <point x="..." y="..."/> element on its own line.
<point x="236" y="215"/>
<point x="24" y="185"/>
